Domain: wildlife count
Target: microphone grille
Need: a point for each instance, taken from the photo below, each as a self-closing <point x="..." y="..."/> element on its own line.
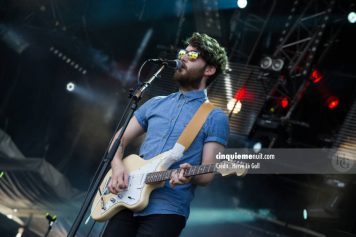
<point x="179" y="64"/>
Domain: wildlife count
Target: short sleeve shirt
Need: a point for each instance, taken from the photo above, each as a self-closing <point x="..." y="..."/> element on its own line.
<point x="164" y="118"/>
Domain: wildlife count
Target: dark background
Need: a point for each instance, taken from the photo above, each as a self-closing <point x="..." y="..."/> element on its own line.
<point x="72" y="130"/>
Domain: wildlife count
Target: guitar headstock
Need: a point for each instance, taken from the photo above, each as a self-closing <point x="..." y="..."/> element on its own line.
<point x="228" y="168"/>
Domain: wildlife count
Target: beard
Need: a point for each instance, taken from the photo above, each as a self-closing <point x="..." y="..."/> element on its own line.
<point x="189" y="79"/>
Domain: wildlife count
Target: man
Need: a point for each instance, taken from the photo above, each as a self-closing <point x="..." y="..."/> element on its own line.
<point x="164" y="119"/>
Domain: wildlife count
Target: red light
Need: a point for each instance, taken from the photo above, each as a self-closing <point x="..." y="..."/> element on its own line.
<point x="332" y="102"/>
<point x="284" y="103"/>
<point x="316" y="76"/>
<point x="240" y="94"/>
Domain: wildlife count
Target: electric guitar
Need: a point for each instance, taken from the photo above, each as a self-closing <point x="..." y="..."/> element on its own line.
<point x="144" y="177"/>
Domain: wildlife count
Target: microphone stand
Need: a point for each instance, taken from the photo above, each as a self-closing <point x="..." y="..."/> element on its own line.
<point x="109" y="154"/>
<point x="51" y="220"/>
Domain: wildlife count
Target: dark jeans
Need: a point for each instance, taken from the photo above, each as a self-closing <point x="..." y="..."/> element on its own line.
<point x="124" y="224"/>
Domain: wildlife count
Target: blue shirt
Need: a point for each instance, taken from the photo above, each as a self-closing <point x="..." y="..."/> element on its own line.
<point x="164" y="118"/>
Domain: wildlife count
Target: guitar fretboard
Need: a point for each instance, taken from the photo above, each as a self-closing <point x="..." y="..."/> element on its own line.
<point x="165" y="175"/>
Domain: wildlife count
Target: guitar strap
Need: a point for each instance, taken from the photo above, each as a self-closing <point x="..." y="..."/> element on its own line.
<point x="196" y="123"/>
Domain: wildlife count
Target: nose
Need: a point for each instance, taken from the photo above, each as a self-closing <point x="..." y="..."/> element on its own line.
<point x="185" y="58"/>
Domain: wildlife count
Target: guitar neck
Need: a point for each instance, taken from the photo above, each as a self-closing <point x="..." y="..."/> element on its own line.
<point x="192" y="171"/>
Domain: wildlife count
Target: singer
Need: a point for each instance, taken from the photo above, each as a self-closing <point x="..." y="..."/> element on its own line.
<point x="163" y="119"/>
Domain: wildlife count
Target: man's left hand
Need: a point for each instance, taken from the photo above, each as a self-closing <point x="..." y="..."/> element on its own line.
<point x="177" y="177"/>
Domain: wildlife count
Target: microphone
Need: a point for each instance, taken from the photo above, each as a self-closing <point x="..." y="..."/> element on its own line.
<point x="175" y="64"/>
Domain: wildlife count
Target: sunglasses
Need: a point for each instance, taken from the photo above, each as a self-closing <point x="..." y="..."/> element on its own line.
<point x="192" y="55"/>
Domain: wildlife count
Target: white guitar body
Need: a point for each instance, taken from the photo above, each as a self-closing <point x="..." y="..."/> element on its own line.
<point x="136" y="196"/>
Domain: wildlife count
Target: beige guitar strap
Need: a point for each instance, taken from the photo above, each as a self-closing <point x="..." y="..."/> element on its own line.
<point x="196" y="123"/>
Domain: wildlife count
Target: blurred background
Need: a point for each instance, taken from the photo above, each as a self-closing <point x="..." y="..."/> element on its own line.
<point x="65" y="74"/>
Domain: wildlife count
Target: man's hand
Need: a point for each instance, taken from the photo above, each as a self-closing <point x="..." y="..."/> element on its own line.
<point x="119" y="178"/>
<point x="178" y="177"/>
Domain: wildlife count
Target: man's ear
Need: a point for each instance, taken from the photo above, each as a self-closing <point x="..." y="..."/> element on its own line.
<point x="209" y="70"/>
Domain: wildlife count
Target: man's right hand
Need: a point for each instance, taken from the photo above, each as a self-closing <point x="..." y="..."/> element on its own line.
<point x="119" y="178"/>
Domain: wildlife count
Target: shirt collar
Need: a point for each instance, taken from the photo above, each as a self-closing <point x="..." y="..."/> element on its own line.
<point x="195" y="94"/>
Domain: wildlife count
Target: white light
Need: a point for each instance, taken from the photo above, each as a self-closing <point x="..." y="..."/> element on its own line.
<point x="305" y="214"/>
<point x="352" y="17"/>
<point x="70" y="86"/>
<point x="233" y="103"/>
<point x="15" y="210"/>
<point x="257" y="147"/>
<point x="241" y="3"/>
<point x="9" y="216"/>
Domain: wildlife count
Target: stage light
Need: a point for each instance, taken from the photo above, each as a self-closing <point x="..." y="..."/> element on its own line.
<point x="266" y="62"/>
<point x="351" y="17"/>
<point x="277" y="64"/>
<point x="316" y="76"/>
<point x="332" y="102"/>
<point x="257" y="147"/>
<point x="305" y="214"/>
<point x="2" y="173"/>
<point x="234" y="105"/>
<point x="70" y="86"/>
<point x="241" y="3"/>
<point x="336" y="183"/>
<point x="284" y="102"/>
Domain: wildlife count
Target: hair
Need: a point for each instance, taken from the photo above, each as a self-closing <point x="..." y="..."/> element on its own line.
<point x="211" y="51"/>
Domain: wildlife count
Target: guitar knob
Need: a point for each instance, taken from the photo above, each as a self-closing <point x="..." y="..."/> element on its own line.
<point x="113" y="200"/>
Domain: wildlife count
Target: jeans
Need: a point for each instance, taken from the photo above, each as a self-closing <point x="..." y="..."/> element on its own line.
<point x="124" y="224"/>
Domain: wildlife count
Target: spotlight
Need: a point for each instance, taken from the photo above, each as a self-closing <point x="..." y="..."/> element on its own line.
<point x="266" y="62"/>
<point x="241" y="3"/>
<point x="352" y="17"/>
<point x="234" y="105"/>
<point x="332" y="102"/>
<point x="70" y="86"/>
<point x="257" y="147"/>
<point x="305" y="214"/>
<point x="316" y="76"/>
<point x="284" y="102"/>
<point x="277" y="64"/>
